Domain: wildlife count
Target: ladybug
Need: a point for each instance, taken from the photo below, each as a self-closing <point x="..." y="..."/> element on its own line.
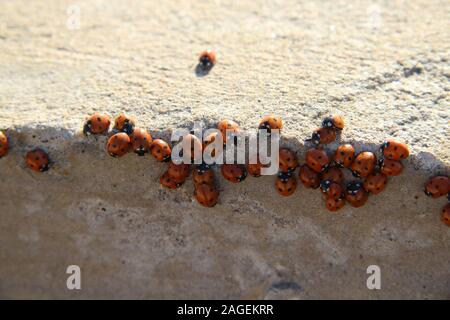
<point x="118" y="145"/>
<point x="364" y="164"/>
<point x="309" y="177"/>
<point x="141" y="141"/>
<point x="203" y="173"/>
<point x="395" y="150"/>
<point x="333" y="174"/>
<point x="254" y="169"/>
<point x="37" y="160"/>
<point x="375" y="182"/>
<point x="228" y="129"/>
<point x="160" y="150"/>
<point x="207" y="59"/>
<point x="437" y="187"/>
<point x="270" y="123"/>
<point x="194" y="144"/>
<point x="344" y="155"/>
<point x="355" y="194"/>
<point x="390" y="167"/>
<point x="4" y="145"/>
<point x="124" y="123"/>
<point x="169" y="182"/>
<point x="206" y="194"/>
<point x="317" y="159"/>
<point x="323" y="135"/>
<point x="445" y="214"/>
<point x="96" y="124"/>
<point x="334" y="121"/>
<point x="332" y="189"/>
<point x="179" y="172"/>
<point x="285" y="184"/>
<point x="334" y="204"/>
<point x="234" y="172"/>
<point x="288" y="160"/>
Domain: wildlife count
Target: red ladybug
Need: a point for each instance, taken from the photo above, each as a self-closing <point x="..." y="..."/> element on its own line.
<point x="206" y="194"/>
<point x="355" y="194"/>
<point x="124" y="123"/>
<point x="118" y="145"/>
<point x="317" y="159"/>
<point x="228" y="129"/>
<point x="4" y="145"/>
<point x="179" y="172"/>
<point x="334" y="121"/>
<point x="375" y="182"/>
<point x="309" y="177"/>
<point x="254" y="169"/>
<point x="207" y="59"/>
<point x="437" y="187"/>
<point x="364" y="164"/>
<point x="160" y="150"/>
<point x="270" y="123"/>
<point x="334" y="204"/>
<point x="203" y="173"/>
<point x="288" y="160"/>
<point x="344" y="155"/>
<point x="390" y="167"/>
<point x="37" y="160"/>
<point x="286" y="184"/>
<point x="332" y="189"/>
<point x="141" y="141"/>
<point x="395" y="150"/>
<point x="169" y="182"/>
<point x="234" y="172"/>
<point x="96" y="124"/>
<point x="333" y="174"/>
<point x="323" y="135"/>
<point x="445" y="214"/>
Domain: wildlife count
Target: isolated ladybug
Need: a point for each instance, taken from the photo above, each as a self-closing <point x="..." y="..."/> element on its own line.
<point x="333" y="174"/>
<point x="395" y="150"/>
<point x="375" y="182"/>
<point x="124" y="123"/>
<point x="317" y="159"/>
<point x="118" y="145"/>
<point x="4" y="145"/>
<point x="287" y="160"/>
<point x="141" y="141"/>
<point x="96" y="124"/>
<point x="334" y="121"/>
<point x="228" y="129"/>
<point x="445" y="214"/>
<point x="203" y="173"/>
<point x="364" y="164"/>
<point x="160" y="150"/>
<point x="309" y="177"/>
<point x="234" y="172"/>
<point x="270" y="123"/>
<point x="285" y="184"/>
<point x="179" y="172"/>
<point x="254" y="169"/>
<point x="437" y="187"/>
<point x="207" y="59"/>
<point x="170" y="182"/>
<point x="323" y="135"/>
<point x="355" y="194"/>
<point x="206" y="194"/>
<point x="344" y="155"/>
<point x="332" y="189"/>
<point x="334" y="204"/>
<point x="390" y="167"/>
<point x="37" y="160"/>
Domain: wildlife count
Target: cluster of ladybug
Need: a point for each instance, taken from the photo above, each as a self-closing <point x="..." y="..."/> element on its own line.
<point x="437" y="187"/>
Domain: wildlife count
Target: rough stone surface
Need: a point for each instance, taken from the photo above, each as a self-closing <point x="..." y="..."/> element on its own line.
<point x="383" y="66"/>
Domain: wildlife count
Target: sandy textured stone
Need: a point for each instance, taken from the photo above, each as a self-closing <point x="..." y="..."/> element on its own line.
<point x="384" y="67"/>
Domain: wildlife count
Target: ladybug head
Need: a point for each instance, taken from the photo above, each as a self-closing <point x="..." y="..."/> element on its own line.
<point x="87" y="127"/>
<point x="44" y="168"/>
<point x="384" y="145"/>
<point x="380" y="163"/>
<point x="242" y="177"/>
<point x="202" y="168"/>
<point x="284" y="176"/>
<point x="427" y="193"/>
<point x="265" y="125"/>
<point x="325" y="167"/>
<point x="205" y="62"/>
<point x="325" y="185"/>
<point x="128" y="127"/>
<point x="354" y="187"/>
<point x="315" y="138"/>
<point x="140" y="151"/>
<point x="356" y="174"/>
<point x="328" y="122"/>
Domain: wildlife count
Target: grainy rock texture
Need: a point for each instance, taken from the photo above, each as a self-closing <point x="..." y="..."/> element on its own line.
<point x="384" y="66"/>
